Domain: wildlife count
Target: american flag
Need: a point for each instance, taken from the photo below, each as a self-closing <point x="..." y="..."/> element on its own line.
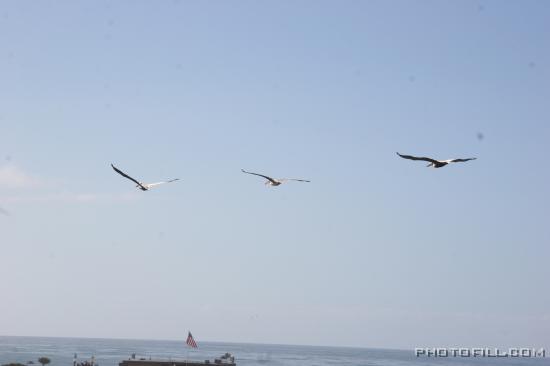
<point x="190" y="341"/>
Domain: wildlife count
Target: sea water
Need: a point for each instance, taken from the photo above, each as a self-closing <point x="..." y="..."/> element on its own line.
<point x="109" y="352"/>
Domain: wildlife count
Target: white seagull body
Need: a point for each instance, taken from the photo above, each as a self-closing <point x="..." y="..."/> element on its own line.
<point x="273" y="182"/>
<point x="435" y="163"/>
<point x="140" y="185"/>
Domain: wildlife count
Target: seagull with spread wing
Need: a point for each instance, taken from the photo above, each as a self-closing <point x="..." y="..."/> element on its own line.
<point x="275" y="182"/>
<point x="435" y="163"/>
<point x="140" y="185"/>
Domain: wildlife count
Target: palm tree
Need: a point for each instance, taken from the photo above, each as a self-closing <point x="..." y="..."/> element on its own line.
<point x="44" y="360"/>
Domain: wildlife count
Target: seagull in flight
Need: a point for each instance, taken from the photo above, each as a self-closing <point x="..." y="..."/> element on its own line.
<point x="140" y="185"/>
<point x="435" y="163"/>
<point x="274" y="182"/>
<point x="4" y="212"/>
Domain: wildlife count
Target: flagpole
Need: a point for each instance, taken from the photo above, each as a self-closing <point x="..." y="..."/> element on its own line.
<point x="187" y="353"/>
<point x="190" y="344"/>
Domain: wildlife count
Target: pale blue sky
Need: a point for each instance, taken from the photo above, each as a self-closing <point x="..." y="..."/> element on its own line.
<point x="375" y="252"/>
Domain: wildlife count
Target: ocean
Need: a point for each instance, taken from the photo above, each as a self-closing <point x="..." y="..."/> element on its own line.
<point x="109" y="352"/>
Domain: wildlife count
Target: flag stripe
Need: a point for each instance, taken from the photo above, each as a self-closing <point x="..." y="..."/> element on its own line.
<point x="191" y="342"/>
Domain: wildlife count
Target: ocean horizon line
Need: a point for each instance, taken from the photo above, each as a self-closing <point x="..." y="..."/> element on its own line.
<point x="206" y="341"/>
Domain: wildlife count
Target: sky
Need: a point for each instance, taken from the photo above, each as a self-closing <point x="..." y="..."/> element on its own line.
<point x="376" y="251"/>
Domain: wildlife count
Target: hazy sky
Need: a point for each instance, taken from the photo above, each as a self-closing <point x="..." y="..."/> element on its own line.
<point x="377" y="251"/>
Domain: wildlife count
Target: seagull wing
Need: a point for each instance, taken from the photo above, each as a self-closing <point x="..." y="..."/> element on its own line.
<point x="126" y="175"/>
<point x="410" y="157"/>
<point x="294" y="179"/>
<point x="261" y="175"/>
<point x="150" y="185"/>
<point x="459" y="160"/>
